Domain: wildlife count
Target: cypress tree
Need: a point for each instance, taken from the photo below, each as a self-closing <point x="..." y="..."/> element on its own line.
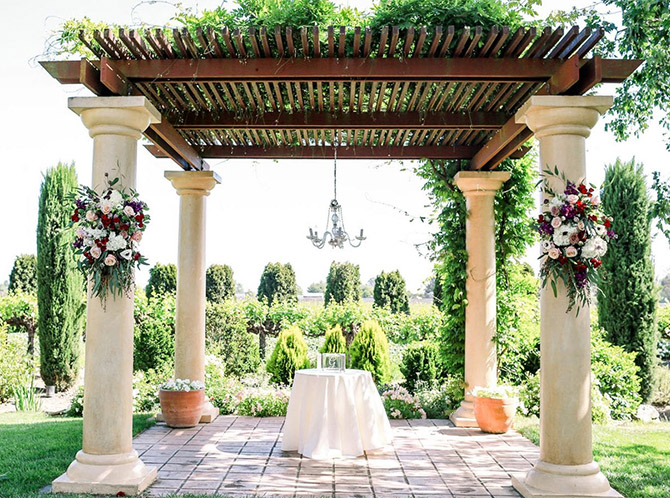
<point x="219" y="284"/>
<point x="59" y="283"/>
<point x="343" y="283"/>
<point x="23" y="277"/>
<point x="162" y="280"/>
<point x="627" y="303"/>
<point x="278" y="284"/>
<point x="391" y="292"/>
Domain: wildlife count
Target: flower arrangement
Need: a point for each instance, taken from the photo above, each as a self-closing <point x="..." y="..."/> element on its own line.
<point x="109" y="230"/>
<point x="182" y="385"/>
<point x="574" y="235"/>
<point x="399" y="403"/>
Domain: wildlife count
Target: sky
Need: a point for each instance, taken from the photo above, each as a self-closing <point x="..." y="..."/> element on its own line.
<point x="262" y="210"/>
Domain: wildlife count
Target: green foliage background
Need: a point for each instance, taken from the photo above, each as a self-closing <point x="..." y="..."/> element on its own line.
<point x="627" y="304"/>
<point x="60" y="285"/>
<point x="23" y="277"/>
<point x="219" y="283"/>
<point x="162" y="280"/>
<point x="278" y="284"/>
<point x="391" y="292"/>
<point x="289" y="355"/>
<point x="343" y="283"/>
<point x="370" y="351"/>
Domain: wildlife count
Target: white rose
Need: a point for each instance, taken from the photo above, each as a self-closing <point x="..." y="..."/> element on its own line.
<point x="91" y="216"/>
<point x="554" y="253"/>
<point x="572" y="199"/>
<point x="556" y="222"/>
<point x="115" y="197"/>
<point x="106" y="206"/>
<point x="96" y="252"/>
<point x="571" y="251"/>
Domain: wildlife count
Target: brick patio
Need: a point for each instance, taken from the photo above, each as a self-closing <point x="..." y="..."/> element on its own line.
<point x="242" y="456"/>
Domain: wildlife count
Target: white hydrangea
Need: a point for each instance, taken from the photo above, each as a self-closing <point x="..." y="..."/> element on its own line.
<point x="95" y="233"/>
<point x="115" y="197"/>
<point x="116" y="242"/>
<point x="595" y="247"/>
<point x="182" y="385"/>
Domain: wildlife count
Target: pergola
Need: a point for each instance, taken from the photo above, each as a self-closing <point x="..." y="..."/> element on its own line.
<point x="473" y="95"/>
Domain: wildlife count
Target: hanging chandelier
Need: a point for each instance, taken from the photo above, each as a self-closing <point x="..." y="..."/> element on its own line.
<point x="335" y="233"/>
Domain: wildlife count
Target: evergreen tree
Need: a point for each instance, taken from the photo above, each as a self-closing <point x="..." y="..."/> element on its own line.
<point x="23" y="277"/>
<point x="343" y="283"/>
<point x="391" y="293"/>
<point x="334" y="342"/>
<point x="627" y="304"/>
<point x="219" y="283"/>
<point x="278" y="284"/>
<point x="370" y="351"/>
<point x="59" y="283"/>
<point x="162" y="280"/>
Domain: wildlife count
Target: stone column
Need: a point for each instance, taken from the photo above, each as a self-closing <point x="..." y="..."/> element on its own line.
<point x="479" y="188"/>
<point x="107" y="464"/>
<point x="566" y="466"/>
<point x="189" y="362"/>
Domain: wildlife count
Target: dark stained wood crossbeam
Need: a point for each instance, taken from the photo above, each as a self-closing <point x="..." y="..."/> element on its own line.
<point x="328" y="152"/>
<point x="344" y="120"/>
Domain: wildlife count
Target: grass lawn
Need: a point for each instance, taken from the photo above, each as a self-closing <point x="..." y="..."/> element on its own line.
<point x="634" y="456"/>
<point x="36" y="448"/>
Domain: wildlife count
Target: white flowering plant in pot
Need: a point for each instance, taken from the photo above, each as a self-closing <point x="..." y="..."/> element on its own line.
<point x="109" y="228"/>
<point x="182" y="385"/>
<point x="574" y="233"/>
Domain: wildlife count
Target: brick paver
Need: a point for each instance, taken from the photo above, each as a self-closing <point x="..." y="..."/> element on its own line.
<point x="242" y="456"/>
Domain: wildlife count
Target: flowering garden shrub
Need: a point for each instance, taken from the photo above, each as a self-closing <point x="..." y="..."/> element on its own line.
<point x="263" y="402"/>
<point x="574" y="235"/>
<point x="399" y="403"/>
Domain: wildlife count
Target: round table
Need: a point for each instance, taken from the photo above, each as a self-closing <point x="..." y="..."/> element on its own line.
<point x="334" y="413"/>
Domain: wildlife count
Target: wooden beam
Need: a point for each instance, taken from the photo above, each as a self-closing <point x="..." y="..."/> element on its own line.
<point x="327" y="152"/>
<point x="590" y="74"/>
<point x="329" y="69"/>
<point x="506" y="137"/>
<point x="346" y="120"/>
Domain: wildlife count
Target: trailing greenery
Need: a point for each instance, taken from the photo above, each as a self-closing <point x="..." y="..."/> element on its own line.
<point x="370" y="351"/>
<point x="227" y="336"/>
<point x="23" y="277"/>
<point x="162" y="280"/>
<point x="343" y="283"/>
<point x="278" y="284"/>
<point x="335" y="341"/>
<point x="421" y="363"/>
<point x="59" y="283"/>
<point x="627" y="304"/>
<point x="289" y="355"/>
<point x="391" y="292"/>
<point x="154" y="330"/>
<point x="219" y="283"/>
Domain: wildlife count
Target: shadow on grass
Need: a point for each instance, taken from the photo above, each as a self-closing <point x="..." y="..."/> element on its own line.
<point x="36" y="449"/>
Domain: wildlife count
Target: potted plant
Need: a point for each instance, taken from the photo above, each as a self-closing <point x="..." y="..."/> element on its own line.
<point x="182" y="401"/>
<point x="495" y="408"/>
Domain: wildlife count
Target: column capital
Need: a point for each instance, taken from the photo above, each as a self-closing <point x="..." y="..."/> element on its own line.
<point x="193" y="182"/>
<point x="128" y="116"/>
<point x="480" y="182"/>
<point x="549" y="115"/>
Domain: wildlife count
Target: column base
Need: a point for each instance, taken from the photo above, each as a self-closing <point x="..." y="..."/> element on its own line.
<point x="105" y="475"/>
<point x="568" y="481"/>
<point x="209" y="414"/>
<point x="464" y="416"/>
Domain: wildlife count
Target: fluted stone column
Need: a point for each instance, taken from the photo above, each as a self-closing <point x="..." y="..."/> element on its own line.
<point x="107" y="463"/>
<point x="193" y="187"/>
<point x="479" y="188"/>
<point x="566" y="466"/>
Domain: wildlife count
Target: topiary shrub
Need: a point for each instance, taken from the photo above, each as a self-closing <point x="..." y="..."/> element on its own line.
<point x="370" y="351"/>
<point x="390" y="292"/>
<point x="219" y="283"/>
<point x="420" y="362"/>
<point x="154" y="331"/>
<point x="278" y="284"/>
<point x="23" y="277"/>
<point x="289" y="355"/>
<point x="162" y="280"/>
<point x="343" y="283"/>
<point x="335" y="342"/>
<point x="227" y="336"/>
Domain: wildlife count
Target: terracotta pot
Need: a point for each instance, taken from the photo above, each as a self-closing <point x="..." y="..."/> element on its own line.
<point x="495" y="415"/>
<point x="182" y="408"/>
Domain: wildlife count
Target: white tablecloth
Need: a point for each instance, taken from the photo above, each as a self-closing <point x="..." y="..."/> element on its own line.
<point x="332" y="414"/>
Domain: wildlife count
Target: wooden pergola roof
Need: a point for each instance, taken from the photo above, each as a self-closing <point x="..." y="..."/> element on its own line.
<point x="437" y="93"/>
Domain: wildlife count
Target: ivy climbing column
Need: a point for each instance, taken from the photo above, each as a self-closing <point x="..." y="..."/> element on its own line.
<point x="107" y="463"/>
<point x="193" y="187"/>
<point x="566" y="466"/>
<point x="479" y="188"/>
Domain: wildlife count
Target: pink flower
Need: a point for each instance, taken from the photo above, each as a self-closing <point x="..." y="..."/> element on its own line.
<point x="572" y="199"/>
<point x="555" y="210"/>
<point x="91" y="216"/>
<point x="106" y="208"/>
<point x="595" y="200"/>
<point x="129" y="211"/>
<point x="556" y="222"/>
<point x="137" y="236"/>
<point x="124" y="234"/>
<point x="96" y="252"/>
<point x="110" y="260"/>
<point x="574" y="238"/>
<point x="571" y="251"/>
<point x="554" y="253"/>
